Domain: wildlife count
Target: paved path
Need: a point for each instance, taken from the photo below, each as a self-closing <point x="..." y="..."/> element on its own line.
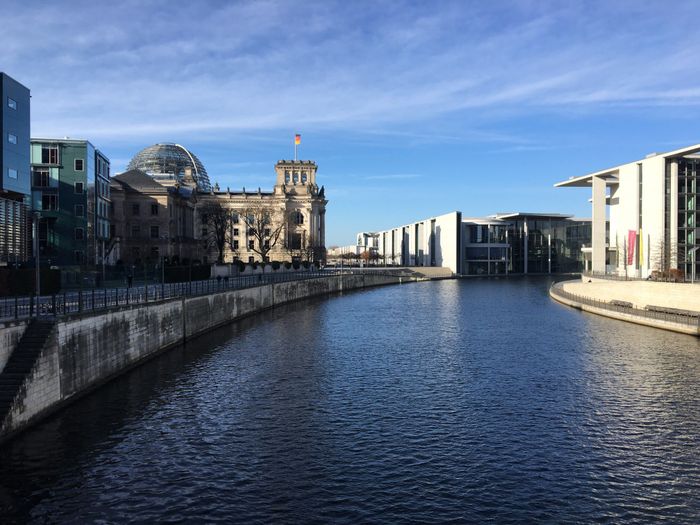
<point x="640" y="293"/>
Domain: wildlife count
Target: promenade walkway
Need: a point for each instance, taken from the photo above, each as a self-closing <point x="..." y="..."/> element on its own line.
<point x="681" y="296"/>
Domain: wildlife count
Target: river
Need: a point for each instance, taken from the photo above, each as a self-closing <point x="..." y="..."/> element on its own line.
<point x="447" y="401"/>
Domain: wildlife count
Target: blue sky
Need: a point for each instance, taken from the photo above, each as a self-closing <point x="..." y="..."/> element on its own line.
<point x="411" y="109"/>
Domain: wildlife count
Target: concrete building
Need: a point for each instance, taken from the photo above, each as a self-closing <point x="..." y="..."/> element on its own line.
<point x="501" y="244"/>
<point x="151" y="220"/>
<point x="15" y="185"/>
<point x="70" y="193"/>
<point x="652" y="208"/>
<point x="435" y="241"/>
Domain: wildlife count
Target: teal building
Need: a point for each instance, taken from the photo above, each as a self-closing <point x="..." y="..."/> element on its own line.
<point x="70" y="192"/>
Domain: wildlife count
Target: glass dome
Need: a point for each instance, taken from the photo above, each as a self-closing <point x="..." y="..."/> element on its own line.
<point x="167" y="162"/>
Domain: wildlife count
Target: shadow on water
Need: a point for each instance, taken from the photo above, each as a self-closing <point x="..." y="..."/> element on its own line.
<point x="452" y="400"/>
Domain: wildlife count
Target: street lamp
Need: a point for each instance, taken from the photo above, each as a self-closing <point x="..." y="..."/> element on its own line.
<point x="37" y="254"/>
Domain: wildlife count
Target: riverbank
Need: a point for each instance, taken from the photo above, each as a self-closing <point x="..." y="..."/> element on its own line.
<point x="82" y="351"/>
<point x="669" y="306"/>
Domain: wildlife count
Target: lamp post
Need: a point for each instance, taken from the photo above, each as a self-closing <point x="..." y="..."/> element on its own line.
<point x="37" y="256"/>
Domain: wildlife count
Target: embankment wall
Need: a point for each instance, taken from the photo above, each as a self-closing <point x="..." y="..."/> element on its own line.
<point x="87" y="350"/>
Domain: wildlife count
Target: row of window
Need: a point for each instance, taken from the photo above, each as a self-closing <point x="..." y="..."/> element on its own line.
<point x="295" y="176"/>
<point x="136" y="231"/>
<point x="136" y="253"/>
<point x="136" y="209"/>
<point x="251" y="244"/>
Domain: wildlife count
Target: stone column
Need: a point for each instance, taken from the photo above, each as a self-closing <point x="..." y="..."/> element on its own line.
<point x="673" y="223"/>
<point x="598" y="226"/>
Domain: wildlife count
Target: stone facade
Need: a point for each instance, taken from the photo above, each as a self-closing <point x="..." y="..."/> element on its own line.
<point x="152" y="220"/>
<point x="296" y="204"/>
<point x="173" y="218"/>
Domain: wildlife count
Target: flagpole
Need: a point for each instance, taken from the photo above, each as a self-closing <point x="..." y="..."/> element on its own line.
<point x="295" y="149"/>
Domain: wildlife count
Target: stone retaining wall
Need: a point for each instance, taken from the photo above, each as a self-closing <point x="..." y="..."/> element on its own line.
<point x="86" y="350"/>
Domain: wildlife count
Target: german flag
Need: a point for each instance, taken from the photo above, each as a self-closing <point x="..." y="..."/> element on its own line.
<point x="297" y="139"/>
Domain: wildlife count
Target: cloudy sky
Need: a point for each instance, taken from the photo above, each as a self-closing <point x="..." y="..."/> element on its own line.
<point x="411" y="109"/>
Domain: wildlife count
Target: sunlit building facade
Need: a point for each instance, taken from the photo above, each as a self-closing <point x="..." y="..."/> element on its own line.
<point x="501" y="244"/>
<point x="651" y="207"/>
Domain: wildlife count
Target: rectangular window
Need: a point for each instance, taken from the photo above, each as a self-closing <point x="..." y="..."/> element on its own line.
<point x="79" y="234"/>
<point x="78" y="164"/>
<point x="40" y="177"/>
<point x="11" y="103"/>
<point x="79" y="210"/>
<point x="267" y="232"/>
<point x="235" y="244"/>
<point x="251" y="245"/>
<point x="12" y="173"/>
<point x="78" y="188"/>
<point x="49" y="154"/>
<point x="12" y="139"/>
<point x="155" y="232"/>
<point x="154" y="209"/>
<point x="135" y="252"/>
<point x="235" y="232"/>
<point x="234" y="218"/>
<point x="135" y="210"/>
<point x="155" y="252"/>
<point x="49" y="202"/>
<point x="267" y="244"/>
<point x="78" y="257"/>
<point x="136" y="230"/>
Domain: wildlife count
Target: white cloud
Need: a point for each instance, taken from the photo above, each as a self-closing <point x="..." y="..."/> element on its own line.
<point x="168" y="70"/>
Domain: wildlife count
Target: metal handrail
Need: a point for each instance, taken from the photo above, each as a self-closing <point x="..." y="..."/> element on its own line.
<point x="98" y="299"/>
<point x="690" y="319"/>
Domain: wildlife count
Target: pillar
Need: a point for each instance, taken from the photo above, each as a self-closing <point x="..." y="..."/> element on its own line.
<point x="598" y="226"/>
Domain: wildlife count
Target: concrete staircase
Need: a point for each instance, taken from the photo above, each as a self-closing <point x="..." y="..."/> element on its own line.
<point x="22" y="361"/>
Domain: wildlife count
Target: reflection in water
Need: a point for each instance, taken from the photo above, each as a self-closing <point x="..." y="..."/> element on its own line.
<point x="450" y="400"/>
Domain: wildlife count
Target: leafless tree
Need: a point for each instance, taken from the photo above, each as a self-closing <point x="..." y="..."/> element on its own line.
<point x="216" y="219"/>
<point x="265" y="226"/>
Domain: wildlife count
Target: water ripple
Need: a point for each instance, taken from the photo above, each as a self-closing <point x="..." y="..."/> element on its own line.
<point x="443" y="402"/>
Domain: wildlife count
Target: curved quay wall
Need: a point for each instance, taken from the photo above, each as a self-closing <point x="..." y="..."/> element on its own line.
<point x="86" y="350"/>
<point x="675" y="323"/>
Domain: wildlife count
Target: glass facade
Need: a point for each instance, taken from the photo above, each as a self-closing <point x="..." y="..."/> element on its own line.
<point x="688" y="215"/>
<point x="525" y="245"/>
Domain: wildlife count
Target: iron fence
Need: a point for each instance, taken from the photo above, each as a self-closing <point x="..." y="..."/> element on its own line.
<point x="655" y="312"/>
<point x="79" y="301"/>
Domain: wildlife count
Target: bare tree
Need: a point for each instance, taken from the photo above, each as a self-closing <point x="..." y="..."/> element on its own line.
<point x="265" y="227"/>
<point x="216" y="218"/>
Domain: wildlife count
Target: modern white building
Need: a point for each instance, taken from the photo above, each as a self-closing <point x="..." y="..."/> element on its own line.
<point x="435" y="241"/>
<point x="652" y="211"/>
<point x="501" y="244"/>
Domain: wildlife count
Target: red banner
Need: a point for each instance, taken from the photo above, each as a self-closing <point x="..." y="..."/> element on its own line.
<point x="631" y="245"/>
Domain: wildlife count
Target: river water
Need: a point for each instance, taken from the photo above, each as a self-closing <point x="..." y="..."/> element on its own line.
<point x="450" y="401"/>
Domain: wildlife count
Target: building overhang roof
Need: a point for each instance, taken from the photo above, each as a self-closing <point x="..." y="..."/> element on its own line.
<point x="611" y="174"/>
<point x="524" y="215"/>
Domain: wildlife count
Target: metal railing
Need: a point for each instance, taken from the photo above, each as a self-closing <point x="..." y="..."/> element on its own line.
<point x="72" y="302"/>
<point x="611" y="276"/>
<point x="658" y="313"/>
